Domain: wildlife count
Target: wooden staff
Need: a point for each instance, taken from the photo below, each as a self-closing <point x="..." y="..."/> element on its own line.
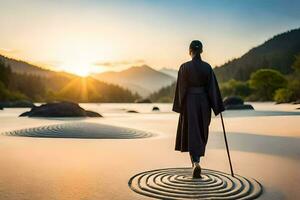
<point x="228" y="154"/>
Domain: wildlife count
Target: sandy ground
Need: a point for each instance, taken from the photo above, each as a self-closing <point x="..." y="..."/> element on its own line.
<point x="266" y="148"/>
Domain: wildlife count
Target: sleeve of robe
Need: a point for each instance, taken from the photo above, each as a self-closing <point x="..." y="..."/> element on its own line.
<point x="181" y="87"/>
<point x="214" y="94"/>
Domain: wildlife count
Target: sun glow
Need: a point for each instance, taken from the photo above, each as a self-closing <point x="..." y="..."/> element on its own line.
<point x="77" y="66"/>
<point x="78" y="58"/>
<point x="83" y="72"/>
<point x="79" y="71"/>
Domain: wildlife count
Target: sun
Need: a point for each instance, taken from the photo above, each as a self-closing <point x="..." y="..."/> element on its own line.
<point x="76" y="69"/>
<point x="83" y="72"/>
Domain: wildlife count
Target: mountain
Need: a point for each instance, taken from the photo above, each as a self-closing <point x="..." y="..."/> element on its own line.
<point x="22" y="67"/>
<point x="170" y="72"/>
<point x="142" y="79"/>
<point x="277" y="53"/>
<point x="25" y="81"/>
<point x="164" y="95"/>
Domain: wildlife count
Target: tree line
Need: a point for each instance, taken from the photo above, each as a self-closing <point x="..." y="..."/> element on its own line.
<point x="267" y="85"/>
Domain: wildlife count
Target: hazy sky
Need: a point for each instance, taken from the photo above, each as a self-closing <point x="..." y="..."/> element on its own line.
<point x="81" y="36"/>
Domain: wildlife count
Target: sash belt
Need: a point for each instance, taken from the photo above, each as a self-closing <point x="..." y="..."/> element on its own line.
<point x="196" y="90"/>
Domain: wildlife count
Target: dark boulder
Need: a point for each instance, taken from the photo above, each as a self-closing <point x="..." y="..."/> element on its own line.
<point x="239" y="107"/>
<point x="296" y="102"/>
<point x="17" y="104"/>
<point x="233" y="100"/>
<point x="236" y="103"/>
<point x="90" y="113"/>
<point x="143" y="101"/>
<point x="59" y="109"/>
<point x="132" y="111"/>
<point x="155" y="108"/>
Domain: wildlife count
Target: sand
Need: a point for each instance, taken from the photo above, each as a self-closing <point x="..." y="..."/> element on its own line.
<point x="265" y="148"/>
<point x="83" y="130"/>
<point x="177" y="183"/>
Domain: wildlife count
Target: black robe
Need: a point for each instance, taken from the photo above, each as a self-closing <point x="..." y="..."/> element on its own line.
<point x="195" y="108"/>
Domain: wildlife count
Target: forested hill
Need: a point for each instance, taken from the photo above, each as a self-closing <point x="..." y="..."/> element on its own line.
<point x="22" y="67"/>
<point x="164" y="95"/>
<point x="277" y="53"/>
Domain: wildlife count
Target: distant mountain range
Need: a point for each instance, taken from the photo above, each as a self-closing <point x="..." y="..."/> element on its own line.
<point x="142" y="79"/>
<point x="170" y="72"/>
<point x="26" y="81"/>
<point x="277" y="53"/>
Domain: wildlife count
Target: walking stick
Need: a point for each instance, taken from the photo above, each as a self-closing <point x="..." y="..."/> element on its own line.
<point x="228" y="154"/>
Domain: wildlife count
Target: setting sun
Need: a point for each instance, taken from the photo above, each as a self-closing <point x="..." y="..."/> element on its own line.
<point x="82" y="71"/>
<point x="75" y="63"/>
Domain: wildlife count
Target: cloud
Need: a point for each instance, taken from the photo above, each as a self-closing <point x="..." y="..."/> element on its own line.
<point x="120" y="63"/>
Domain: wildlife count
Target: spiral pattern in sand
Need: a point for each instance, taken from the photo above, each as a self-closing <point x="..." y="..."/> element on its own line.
<point x="177" y="183"/>
<point x="81" y="130"/>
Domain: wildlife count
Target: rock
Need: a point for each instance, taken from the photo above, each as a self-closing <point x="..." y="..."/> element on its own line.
<point x="233" y="100"/>
<point x="297" y="101"/>
<point x="239" y="107"/>
<point x="155" y="108"/>
<point x="92" y="114"/>
<point x="132" y="111"/>
<point x="17" y="104"/>
<point x="1" y="108"/>
<point x="143" y="101"/>
<point x="59" y="109"/>
<point x="236" y="103"/>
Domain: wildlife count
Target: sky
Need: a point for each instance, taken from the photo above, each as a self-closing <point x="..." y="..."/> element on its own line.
<point x="93" y="36"/>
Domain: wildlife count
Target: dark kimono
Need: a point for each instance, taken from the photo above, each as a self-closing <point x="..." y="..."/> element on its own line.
<point x="197" y="92"/>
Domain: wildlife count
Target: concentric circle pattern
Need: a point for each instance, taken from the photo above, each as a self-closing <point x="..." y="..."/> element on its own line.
<point x="81" y="130"/>
<point x="177" y="183"/>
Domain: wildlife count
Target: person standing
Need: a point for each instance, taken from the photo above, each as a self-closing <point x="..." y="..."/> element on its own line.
<point x="197" y="92"/>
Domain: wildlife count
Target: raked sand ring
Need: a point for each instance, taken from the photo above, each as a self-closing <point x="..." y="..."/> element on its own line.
<point x="81" y="130"/>
<point x="177" y="183"/>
